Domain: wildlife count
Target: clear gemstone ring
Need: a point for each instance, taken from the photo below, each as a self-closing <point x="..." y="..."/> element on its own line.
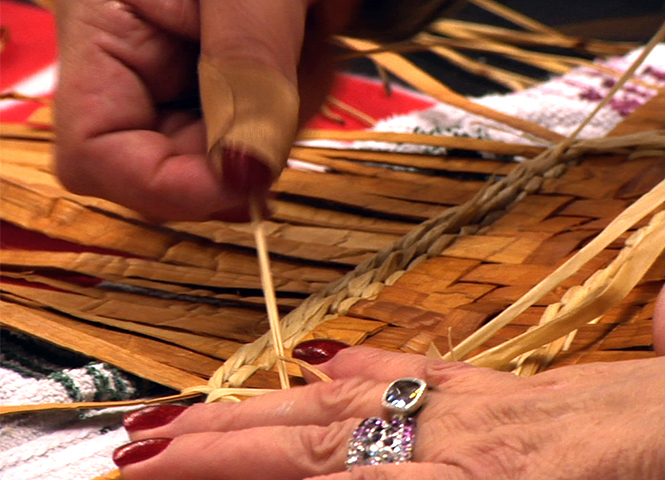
<point x="377" y="441"/>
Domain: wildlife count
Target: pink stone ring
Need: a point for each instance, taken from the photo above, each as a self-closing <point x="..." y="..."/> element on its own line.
<point x="377" y="441"/>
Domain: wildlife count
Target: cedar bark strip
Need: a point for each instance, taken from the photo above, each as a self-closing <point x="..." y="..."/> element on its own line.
<point x="52" y="328"/>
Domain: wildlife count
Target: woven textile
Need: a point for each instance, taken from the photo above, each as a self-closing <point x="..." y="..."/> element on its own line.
<point x="560" y="104"/>
<point x="67" y="445"/>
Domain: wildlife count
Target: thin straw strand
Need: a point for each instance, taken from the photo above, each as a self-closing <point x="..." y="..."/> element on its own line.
<point x="269" y="293"/>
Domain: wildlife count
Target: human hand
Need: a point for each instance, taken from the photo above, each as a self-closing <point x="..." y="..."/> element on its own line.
<point x="125" y="67"/>
<point x="583" y="422"/>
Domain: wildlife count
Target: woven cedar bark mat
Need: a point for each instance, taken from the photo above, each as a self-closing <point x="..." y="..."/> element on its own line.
<point x="425" y="295"/>
<point x="410" y="304"/>
<point x="172" y="302"/>
<point x="446" y="298"/>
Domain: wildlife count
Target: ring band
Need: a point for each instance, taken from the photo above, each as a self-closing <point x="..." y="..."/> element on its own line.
<point x="377" y="441"/>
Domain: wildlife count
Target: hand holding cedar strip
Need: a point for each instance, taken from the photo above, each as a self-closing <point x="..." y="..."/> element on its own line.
<point x="126" y="67"/>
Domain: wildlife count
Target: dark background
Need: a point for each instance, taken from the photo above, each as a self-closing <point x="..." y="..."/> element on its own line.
<point x="611" y="18"/>
<point x="618" y="20"/>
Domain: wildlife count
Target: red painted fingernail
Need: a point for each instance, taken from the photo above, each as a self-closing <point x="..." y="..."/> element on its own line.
<point x="136" y="452"/>
<point x="318" y="351"/>
<point x="243" y="177"/>
<point x="152" y="417"/>
<point x="244" y="173"/>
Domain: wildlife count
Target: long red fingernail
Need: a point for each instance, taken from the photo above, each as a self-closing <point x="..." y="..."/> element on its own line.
<point x="244" y="173"/>
<point x="136" y="452"/>
<point x="318" y="350"/>
<point x="244" y="178"/>
<point x="152" y="417"/>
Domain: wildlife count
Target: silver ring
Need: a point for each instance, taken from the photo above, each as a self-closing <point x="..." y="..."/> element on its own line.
<point x="377" y="441"/>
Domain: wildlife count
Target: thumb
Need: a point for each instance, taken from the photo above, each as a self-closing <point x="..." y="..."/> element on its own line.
<point x="250" y="52"/>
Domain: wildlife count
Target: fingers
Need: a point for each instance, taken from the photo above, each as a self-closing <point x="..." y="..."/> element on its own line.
<point x="388" y="366"/>
<point x="267" y="32"/>
<point x="318" y="404"/>
<point x="659" y="324"/>
<point x="120" y="62"/>
<point x="323" y="403"/>
<point x="112" y="139"/>
<point x="260" y="453"/>
<point x="267" y="453"/>
<point x="123" y="62"/>
<point x="421" y="471"/>
<point x="117" y="65"/>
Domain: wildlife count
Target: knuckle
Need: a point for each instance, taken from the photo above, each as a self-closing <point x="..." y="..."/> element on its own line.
<point x="341" y="399"/>
<point x="440" y="372"/>
<point x="500" y="459"/>
<point x="350" y="356"/>
<point x="463" y="378"/>
<point x="325" y="447"/>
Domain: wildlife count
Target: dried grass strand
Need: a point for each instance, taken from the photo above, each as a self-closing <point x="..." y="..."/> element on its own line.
<point x="602" y="291"/>
<point x="633" y="214"/>
<point x="269" y="294"/>
<point x="50" y="407"/>
<point x="535" y="39"/>
<point x="516" y="17"/>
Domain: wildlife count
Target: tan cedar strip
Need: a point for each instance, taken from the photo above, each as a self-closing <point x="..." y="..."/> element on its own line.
<point x="302" y="214"/>
<point x="466" y="40"/>
<point x="516" y="17"/>
<point x="56" y="329"/>
<point x="519" y="37"/>
<point x="448" y="163"/>
<point x="19" y="131"/>
<point x="228" y="325"/>
<point x="603" y="290"/>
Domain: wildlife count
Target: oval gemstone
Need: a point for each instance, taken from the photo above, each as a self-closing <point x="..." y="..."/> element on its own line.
<point x="405" y="395"/>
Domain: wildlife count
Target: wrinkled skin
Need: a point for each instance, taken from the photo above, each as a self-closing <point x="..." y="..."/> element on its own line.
<point x="595" y="421"/>
<point x="125" y="63"/>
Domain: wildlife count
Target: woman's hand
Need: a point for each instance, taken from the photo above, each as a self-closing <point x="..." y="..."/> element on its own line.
<point x="127" y="68"/>
<point x="601" y="421"/>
